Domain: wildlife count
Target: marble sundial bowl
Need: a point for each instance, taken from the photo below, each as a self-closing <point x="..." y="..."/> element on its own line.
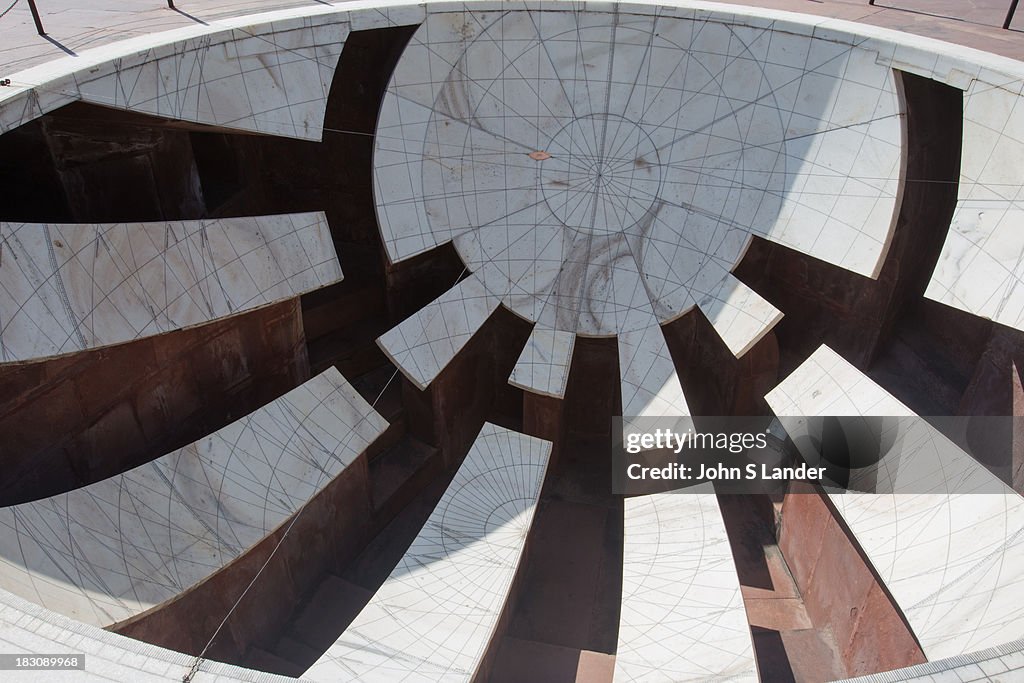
<point x="603" y="172"/>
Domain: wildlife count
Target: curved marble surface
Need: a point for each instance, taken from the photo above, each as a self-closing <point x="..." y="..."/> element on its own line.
<point x="424" y="343"/>
<point x="592" y="164"/>
<point x="952" y="558"/>
<point x="682" y="615"/>
<point x="268" y="73"/>
<point x="297" y="49"/>
<point x="67" y="288"/>
<point x="434" y="616"/>
<point x="649" y="383"/>
<point x="981" y="267"/>
<point x="991" y="115"/>
<point x="543" y="365"/>
<point x="538" y="256"/>
<point x="113" y="549"/>
<point x="29" y="629"/>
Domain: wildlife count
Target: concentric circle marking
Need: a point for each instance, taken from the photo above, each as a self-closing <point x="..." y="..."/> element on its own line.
<point x="603" y="176"/>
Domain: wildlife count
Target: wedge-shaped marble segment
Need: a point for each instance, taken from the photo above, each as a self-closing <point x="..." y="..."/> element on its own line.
<point x="682" y="616"/>
<point x="650" y="384"/>
<point x="981" y="267"/>
<point x="738" y="313"/>
<point x="543" y="366"/>
<point x="423" y="344"/>
<point x="67" y="288"/>
<point x="602" y="160"/>
<point x="953" y="560"/>
<point x="113" y="549"/>
<point x="434" y="616"/>
<point x="268" y="73"/>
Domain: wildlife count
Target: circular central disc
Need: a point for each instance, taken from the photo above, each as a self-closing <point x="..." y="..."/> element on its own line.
<point x="603" y="174"/>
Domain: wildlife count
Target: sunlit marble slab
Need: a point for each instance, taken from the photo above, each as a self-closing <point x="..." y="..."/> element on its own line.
<point x="68" y="287"/>
<point x="543" y="366"/>
<point x="649" y="381"/>
<point x="434" y="616"/>
<point x="981" y="267"/>
<point x="682" y="615"/>
<point x="823" y="178"/>
<point x="113" y="549"/>
<point x="424" y="343"/>
<point x="595" y="143"/>
<point x="739" y="315"/>
<point x="268" y="73"/>
<point x="29" y="629"/>
<point x="953" y="560"/>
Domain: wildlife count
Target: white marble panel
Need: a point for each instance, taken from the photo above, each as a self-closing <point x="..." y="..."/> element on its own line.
<point x="682" y="615"/>
<point x="952" y="558"/>
<point x="738" y="313"/>
<point x="423" y="344"/>
<point x="67" y="288"/>
<point x="115" y="548"/>
<point x="30" y="630"/>
<point x="543" y="366"/>
<point x="370" y="14"/>
<point x="650" y="384"/>
<point x="826" y="384"/>
<point x="268" y="73"/>
<point x="434" y="616"/>
<point x="605" y="124"/>
<point x="980" y="268"/>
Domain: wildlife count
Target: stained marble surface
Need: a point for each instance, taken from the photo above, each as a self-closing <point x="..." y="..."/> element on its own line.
<point x="599" y="162"/>
<point x="682" y="615"/>
<point x="434" y="616"/>
<point x="115" y="548"/>
<point x="952" y="558"/>
<point x="70" y="287"/>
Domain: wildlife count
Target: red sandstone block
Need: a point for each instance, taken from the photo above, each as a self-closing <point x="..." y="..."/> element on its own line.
<point x="804" y="518"/>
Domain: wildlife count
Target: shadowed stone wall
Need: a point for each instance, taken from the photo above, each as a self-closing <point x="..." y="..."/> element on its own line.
<point x="72" y="420"/>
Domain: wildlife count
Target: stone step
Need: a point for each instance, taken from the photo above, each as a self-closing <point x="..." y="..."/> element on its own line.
<point x="298" y="652"/>
<point x="383" y="386"/>
<point x="372" y="566"/>
<point x="527" y="660"/>
<point x="262" y="660"/>
<point x="342" y="304"/>
<point x="351" y="348"/>
<point x="330" y="608"/>
<point x="397" y="474"/>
